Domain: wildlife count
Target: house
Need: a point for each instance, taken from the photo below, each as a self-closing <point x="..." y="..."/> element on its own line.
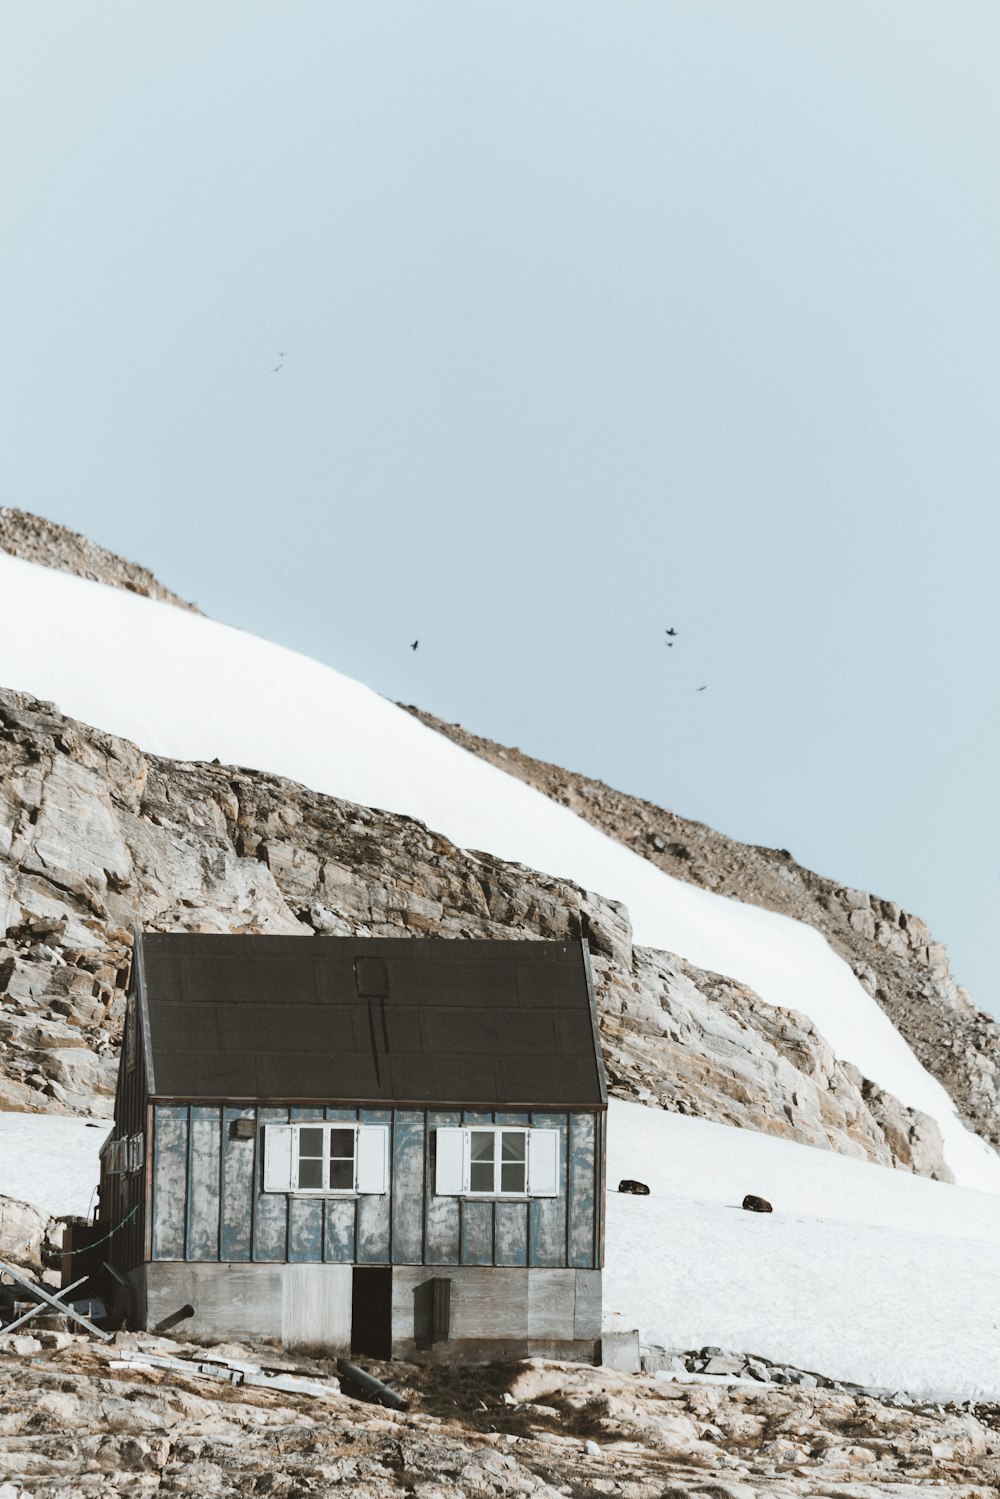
<point x="392" y="1147"/>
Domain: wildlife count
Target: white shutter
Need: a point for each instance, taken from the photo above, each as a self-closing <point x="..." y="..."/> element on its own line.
<point x="543" y="1162"/>
<point x="373" y="1158"/>
<point x="278" y="1157"/>
<point x="449" y="1178"/>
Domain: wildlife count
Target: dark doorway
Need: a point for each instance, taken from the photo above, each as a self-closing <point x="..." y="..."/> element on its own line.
<point x="371" y="1311"/>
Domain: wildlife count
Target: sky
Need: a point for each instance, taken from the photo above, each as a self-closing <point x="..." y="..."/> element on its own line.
<point x="592" y="320"/>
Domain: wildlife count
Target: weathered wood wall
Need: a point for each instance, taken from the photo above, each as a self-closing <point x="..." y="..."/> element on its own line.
<point x="122" y="1199"/>
<point x="207" y="1202"/>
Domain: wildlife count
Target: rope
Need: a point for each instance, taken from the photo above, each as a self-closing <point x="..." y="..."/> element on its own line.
<point x="72" y="1253"/>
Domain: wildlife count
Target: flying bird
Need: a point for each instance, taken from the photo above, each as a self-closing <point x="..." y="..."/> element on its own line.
<point x="701" y="689"/>
<point x="671" y="632"/>
<point x="414" y="644"/>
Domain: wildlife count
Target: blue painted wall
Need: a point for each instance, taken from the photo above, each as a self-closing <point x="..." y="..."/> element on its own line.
<point x="207" y="1202"/>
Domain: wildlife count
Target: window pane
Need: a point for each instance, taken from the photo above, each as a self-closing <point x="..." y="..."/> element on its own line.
<point x="482" y="1144"/>
<point x="512" y="1148"/>
<point x="342" y="1175"/>
<point x="310" y="1173"/>
<point x="481" y="1176"/>
<point x="310" y="1142"/>
<point x="512" y="1177"/>
<point x="342" y="1143"/>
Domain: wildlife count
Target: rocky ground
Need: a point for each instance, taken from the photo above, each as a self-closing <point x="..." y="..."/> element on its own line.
<point x="77" y="1420"/>
<point x="42" y="541"/>
<point x="96" y="837"/>
<point x="892" y="952"/>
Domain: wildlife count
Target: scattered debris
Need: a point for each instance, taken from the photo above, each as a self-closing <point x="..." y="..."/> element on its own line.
<point x="233" y="1371"/>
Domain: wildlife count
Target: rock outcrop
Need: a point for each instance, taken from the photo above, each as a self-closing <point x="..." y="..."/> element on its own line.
<point x="96" y="837"/>
<point x="36" y="540"/>
<point x="891" y="952"/>
<point x="80" y="1421"/>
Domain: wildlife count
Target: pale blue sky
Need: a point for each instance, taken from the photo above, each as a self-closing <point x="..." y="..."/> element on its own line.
<point x="596" y="319"/>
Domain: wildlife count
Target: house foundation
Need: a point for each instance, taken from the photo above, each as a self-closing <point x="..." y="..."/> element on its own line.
<point x="415" y="1312"/>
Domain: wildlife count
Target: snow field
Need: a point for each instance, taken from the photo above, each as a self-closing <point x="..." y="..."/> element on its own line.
<point x="861" y="1273"/>
<point x="197" y="689"/>
<point x="51" y="1161"/>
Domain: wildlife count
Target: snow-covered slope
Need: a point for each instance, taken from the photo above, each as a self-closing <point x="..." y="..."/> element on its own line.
<point x="186" y="687"/>
<point x="861" y="1273"/>
<point x="51" y="1162"/>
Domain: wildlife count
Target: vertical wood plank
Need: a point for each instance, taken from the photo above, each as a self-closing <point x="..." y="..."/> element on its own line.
<point x="170" y="1152"/>
<point x="340" y="1217"/>
<point x="270" y="1223"/>
<point x="442" y="1224"/>
<point x="305" y="1214"/>
<point x="547" y="1215"/>
<point x="511" y="1218"/>
<point x="374" y="1208"/>
<point x="204" y="1155"/>
<point x="406" y="1186"/>
<point x="582" y="1197"/>
<point x="237" y="1189"/>
<point x="477" y="1217"/>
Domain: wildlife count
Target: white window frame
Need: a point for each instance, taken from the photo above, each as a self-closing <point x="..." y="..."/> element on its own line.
<point x="123" y="1155"/>
<point x="327" y="1126"/>
<point x="544" y="1140"/>
<point x="370" y="1139"/>
<point x="497" y="1131"/>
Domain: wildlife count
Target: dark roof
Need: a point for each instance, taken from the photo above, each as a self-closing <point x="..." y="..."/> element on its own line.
<point x="423" y="1021"/>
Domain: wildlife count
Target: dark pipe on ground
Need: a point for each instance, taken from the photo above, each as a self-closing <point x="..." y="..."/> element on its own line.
<point x="370" y="1386"/>
<point x="181" y="1315"/>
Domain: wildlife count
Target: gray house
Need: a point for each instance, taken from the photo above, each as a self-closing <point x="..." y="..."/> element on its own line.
<point x="386" y="1147"/>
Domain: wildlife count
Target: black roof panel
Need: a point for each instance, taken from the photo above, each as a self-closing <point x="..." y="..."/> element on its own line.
<point x="430" y="1021"/>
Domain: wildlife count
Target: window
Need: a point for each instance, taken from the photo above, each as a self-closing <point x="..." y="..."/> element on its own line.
<point x="124" y="1155"/>
<point x="326" y="1160"/>
<point x="497" y="1162"/>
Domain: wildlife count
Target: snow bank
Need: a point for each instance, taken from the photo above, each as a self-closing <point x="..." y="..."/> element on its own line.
<point x="185" y="687"/>
<point x="860" y="1273"/>
<point x="50" y="1161"/>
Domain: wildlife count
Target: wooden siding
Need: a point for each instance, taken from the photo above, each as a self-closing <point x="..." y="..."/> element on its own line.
<point x="122" y="1195"/>
<point x="208" y="1204"/>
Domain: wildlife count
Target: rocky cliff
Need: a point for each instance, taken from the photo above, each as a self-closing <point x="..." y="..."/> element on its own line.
<point x="36" y="540"/>
<point x="891" y="952"/>
<point x="97" y="837"/>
